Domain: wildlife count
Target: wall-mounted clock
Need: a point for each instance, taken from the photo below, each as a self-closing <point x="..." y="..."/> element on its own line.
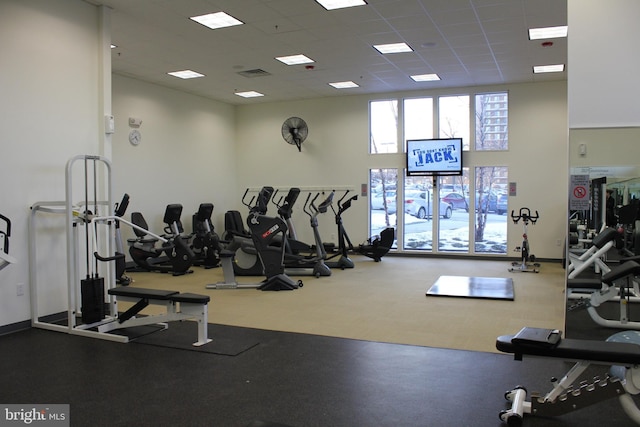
<point x="135" y="137"/>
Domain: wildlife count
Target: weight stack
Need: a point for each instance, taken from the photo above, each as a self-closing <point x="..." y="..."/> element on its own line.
<point x="92" y="292"/>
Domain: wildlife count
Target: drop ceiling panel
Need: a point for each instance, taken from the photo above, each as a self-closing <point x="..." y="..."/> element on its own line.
<point x="467" y="42"/>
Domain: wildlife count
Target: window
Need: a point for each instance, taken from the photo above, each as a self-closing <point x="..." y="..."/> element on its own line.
<point x="383" y="200"/>
<point x="446" y="214"/>
<point x="491" y="207"/>
<point x="418" y="118"/>
<point x="492" y="117"/>
<point x="383" y="126"/>
<point x="453" y="112"/>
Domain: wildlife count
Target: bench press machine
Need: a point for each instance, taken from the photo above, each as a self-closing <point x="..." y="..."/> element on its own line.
<point x="621" y="352"/>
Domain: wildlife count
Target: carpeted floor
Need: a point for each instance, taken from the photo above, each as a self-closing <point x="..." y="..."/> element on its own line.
<point x="385" y="302"/>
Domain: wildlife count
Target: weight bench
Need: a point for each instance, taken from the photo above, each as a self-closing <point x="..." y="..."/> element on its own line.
<point x="621" y="352"/>
<point x="179" y="306"/>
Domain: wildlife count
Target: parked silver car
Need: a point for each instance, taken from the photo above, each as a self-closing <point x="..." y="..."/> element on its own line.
<point x="420" y="205"/>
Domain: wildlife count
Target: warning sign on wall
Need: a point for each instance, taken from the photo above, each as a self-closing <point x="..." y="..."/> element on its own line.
<point x="579" y="193"/>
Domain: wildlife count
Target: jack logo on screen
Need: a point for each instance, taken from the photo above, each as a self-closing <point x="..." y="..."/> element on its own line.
<point x="36" y="415"/>
<point x="435" y="155"/>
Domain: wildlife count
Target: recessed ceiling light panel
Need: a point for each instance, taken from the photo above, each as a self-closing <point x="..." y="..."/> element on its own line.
<point x="344" y="85"/>
<point x="249" y="94"/>
<point x="548" y="68"/>
<point x="295" y="59"/>
<point x="339" y="4"/>
<point x="186" y="74"/>
<point x="548" y="32"/>
<point x="216" y="20"/>
<point x="393" y="48"/>
<point x="425" y="77"/>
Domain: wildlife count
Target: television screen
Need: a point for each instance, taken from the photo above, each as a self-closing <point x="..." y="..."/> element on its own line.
<point x="427" y="157"/>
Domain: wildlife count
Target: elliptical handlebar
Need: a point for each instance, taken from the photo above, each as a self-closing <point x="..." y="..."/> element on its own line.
<point x="309" y="206"/>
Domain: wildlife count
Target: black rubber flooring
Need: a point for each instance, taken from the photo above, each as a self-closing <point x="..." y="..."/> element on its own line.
<point x="287" y="379"/>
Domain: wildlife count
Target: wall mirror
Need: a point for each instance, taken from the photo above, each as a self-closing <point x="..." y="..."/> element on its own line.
<point x="601" y="161"/>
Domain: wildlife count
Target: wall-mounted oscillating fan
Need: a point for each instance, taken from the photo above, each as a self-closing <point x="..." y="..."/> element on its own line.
<point x="295" y="131"/>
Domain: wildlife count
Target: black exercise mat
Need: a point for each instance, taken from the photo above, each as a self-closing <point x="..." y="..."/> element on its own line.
<point x="182" y="335"/>
<point x="498" y="288"/>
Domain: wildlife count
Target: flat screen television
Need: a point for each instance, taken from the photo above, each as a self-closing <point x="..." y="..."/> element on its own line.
<point x="434" y="157"/>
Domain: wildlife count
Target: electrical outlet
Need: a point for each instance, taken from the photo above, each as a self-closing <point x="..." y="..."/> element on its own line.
<point x="20" y="289"/>
<point x="558" y="242"/>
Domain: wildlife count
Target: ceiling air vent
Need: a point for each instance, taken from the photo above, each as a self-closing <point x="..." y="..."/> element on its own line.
<point x="254" y="73"/>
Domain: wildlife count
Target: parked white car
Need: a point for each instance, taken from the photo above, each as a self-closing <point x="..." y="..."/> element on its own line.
<point x="377" y="201"/>
<point x="420" y="205"/>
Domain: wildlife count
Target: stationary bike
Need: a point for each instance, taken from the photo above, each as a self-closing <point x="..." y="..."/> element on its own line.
<point x="205" y="243"/>
<point x="523" y="266"/>
<point x="174" y="256"/>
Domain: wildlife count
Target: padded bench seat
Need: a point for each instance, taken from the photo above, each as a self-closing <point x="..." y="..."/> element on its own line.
<point x="190" y="298"/>
<point x="132" y="292"/>
<point x="617" y="353"/>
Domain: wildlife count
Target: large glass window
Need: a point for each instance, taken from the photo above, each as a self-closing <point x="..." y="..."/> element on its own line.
<point x="418" y="118"/>
<point x="492" y="120"/>
<point x="383" y="126"/>
<point x="453" y="114"/>
<point x="383" y="200"/>
<point x="453" y="233"/>
<point x="446" y="214"/>
<point x="419" y="210"/>
<point x="491" y="205"/>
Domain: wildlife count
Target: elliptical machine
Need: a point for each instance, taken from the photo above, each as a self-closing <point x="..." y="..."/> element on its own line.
<point x="298" y="263"/>
<point x="344" y="243"/>
<point x="264" y="230"/>
<point x="526" y="257"/>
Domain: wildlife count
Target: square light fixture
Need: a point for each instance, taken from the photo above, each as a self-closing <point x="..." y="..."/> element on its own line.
<point x="344" y="85"/>
<point x="295" y="59"/>
<point x="339" y="4"/>
<point x="537" y="69"/>
<point x="425" y="77"/>
<point x="249" y="94"/>
<point x="186" y="74"/>
<point x="548" y="32"/>
<point x="393" y="48"/>
<point x="216" y="20"/>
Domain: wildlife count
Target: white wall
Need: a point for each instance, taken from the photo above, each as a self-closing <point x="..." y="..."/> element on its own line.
<point x="603" y="63"/>
<point x="187" y="154"/>
<point x="49" y="113"/>
<point x="336" y="154"/>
